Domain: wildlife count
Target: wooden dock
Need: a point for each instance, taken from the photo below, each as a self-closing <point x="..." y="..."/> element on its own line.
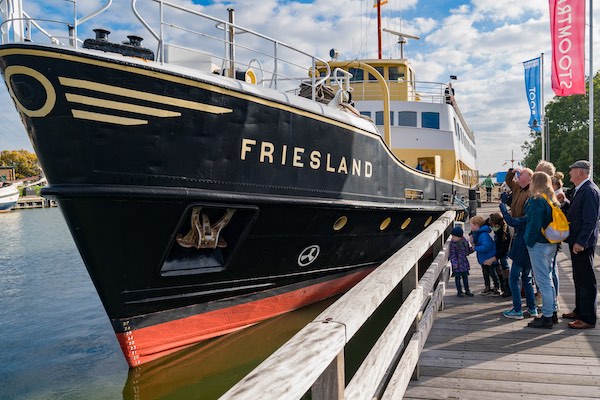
<point x="456" y="348"/>
<point x="473" y="352"/>
<point x="29" y="202"/>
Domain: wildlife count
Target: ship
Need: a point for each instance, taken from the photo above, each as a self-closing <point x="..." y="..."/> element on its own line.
<point x="210" y="188"/>
<point x="9" y="194"/>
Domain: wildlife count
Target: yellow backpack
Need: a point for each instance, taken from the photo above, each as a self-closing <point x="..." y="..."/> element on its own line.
<point x="558" y="229"/>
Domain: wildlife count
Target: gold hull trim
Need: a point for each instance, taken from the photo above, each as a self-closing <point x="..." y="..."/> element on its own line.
<point x="136" y="94"/>
<point x="113" y="119"/>
<point x="116" y="105"/>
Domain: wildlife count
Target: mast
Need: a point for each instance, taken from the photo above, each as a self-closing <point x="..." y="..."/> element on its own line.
<point x="379" y="28"/>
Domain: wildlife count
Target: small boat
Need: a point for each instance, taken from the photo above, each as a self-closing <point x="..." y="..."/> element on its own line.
<point x="207" y="192"/>
<point x="9" y="194"/>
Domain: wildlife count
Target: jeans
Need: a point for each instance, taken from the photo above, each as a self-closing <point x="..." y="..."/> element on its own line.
<point x="554" y="272"/>
<point x="541" y="255"/>
<point x="523" y="273"/>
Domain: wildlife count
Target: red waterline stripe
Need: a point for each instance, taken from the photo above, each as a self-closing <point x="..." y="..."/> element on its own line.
<point x="146" y="344"/>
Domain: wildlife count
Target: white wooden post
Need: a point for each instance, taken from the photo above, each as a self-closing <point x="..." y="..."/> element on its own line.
<point x="330" y="385"/>
<point x="409" y="283"/>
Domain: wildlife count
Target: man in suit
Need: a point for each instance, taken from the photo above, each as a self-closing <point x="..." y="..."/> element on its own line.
<point x="583" y="225"/>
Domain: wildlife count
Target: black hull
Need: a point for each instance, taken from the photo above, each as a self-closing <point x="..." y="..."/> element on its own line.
<point x="133" y="153"/>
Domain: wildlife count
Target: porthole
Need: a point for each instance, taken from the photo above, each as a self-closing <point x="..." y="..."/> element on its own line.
<point x="428" y="221"/>
<point x="340" y="223"/>
<point x="385" y="223"/>
<point x="405" y="223"/>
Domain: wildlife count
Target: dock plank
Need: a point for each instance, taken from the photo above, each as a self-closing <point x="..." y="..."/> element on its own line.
<point x="473" y="352"/>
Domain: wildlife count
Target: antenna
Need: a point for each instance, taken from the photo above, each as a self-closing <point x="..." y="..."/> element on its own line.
<point x="401" y="39"/>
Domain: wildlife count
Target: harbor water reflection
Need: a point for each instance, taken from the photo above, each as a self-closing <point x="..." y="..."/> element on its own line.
<point x="57" y="341"/>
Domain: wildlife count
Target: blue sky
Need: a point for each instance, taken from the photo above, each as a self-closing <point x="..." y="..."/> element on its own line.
<point x="483" y="42"/>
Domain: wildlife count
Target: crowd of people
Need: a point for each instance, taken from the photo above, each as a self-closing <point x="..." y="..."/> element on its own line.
<point x="528" y="210"/>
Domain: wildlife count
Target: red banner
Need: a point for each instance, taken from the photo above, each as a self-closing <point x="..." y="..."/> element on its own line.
<point x="567" y="29"/>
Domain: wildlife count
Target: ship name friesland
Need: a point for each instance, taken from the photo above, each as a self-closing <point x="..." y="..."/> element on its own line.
<point x="299" y="157"/>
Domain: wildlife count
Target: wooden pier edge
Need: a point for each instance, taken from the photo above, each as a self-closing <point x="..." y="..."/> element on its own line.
<point x="313" y="358"/>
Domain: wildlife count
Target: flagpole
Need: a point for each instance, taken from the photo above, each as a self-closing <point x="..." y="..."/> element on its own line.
<point x="591" y="91"/>
<point x="542" y="116"/>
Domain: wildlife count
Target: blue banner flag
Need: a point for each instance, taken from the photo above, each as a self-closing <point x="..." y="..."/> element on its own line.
<point x="532" y="86"/>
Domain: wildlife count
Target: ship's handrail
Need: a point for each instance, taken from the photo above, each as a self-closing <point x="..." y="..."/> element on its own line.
<point x="278" y="72"/>
<point x="423" y="91"/>
<point x="280" y="63"/>
<point x="13" y="15"/>
<point x="419" y="91"/>
<point x="314" y="358"/>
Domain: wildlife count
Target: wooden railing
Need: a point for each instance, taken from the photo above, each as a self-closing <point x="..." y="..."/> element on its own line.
<point x="314" y="358"/>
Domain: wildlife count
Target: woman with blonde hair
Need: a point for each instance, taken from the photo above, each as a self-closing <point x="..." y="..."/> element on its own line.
<point x="541" y="252"/>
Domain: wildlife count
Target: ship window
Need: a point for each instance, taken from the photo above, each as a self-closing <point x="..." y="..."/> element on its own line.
<point x="430" y="120"/>
<point x="366" y="113"/>
<point x="407" y="118"/>
<point x="379" y="118"/>
<point x="357" y="74"/>
<point x="396" y="74"/>
<point x="380" y="70"/>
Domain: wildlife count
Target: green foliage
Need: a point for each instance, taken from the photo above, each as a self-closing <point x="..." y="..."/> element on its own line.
<point x="569" y="132"/>
<point x="26" y="164"/>
<point x="37" y="188"/>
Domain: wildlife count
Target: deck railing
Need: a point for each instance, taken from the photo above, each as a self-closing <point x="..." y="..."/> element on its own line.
<point x="314" y="358"/>
<point x="231" y="47"/>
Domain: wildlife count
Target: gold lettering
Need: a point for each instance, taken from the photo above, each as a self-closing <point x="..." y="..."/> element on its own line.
<point x="368" y="169"/>
<point x="246" y="143"/>
<point x="343" y="166"/>
<point x="356" y="167"/>
<point x="328" y="167"/>
<point x="283" y="154"/>
<point x="266" y="151"/>
<point x="315" y="159"/>
<point x="298" y="151"/>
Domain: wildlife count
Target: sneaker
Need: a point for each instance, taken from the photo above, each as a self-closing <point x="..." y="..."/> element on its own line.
<point x="469" y="293"/>
<point x="460" y="294"/>
<point x="533" y="312"/>
<point x="486" y="292"/>
<point x="513" y="314"/>
<point x="495" y="292"/>
<point x="506" y="294"/>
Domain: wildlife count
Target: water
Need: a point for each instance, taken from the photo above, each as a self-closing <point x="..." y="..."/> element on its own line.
<point x="56" y="342"/>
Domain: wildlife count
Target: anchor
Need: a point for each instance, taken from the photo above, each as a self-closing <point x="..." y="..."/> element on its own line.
<point x="203" y="235"/>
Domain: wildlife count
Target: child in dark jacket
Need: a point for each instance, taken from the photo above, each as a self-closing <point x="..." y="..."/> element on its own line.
<point x="486" y="249"/>
<point x="459" y="250"/>
<point x="502" y="242"/>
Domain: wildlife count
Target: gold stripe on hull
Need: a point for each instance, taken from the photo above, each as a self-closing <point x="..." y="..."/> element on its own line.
<point x="116" y="105"/>
<point x="135" y="94"/>
<point x="113" y="119"/>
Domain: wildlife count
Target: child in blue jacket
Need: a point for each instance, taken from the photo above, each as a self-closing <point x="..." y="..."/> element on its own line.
<point x="486" y="249"/>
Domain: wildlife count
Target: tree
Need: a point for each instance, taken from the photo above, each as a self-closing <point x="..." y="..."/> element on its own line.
<point x="26" y="164"/>
<point x="569" y="131"/>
